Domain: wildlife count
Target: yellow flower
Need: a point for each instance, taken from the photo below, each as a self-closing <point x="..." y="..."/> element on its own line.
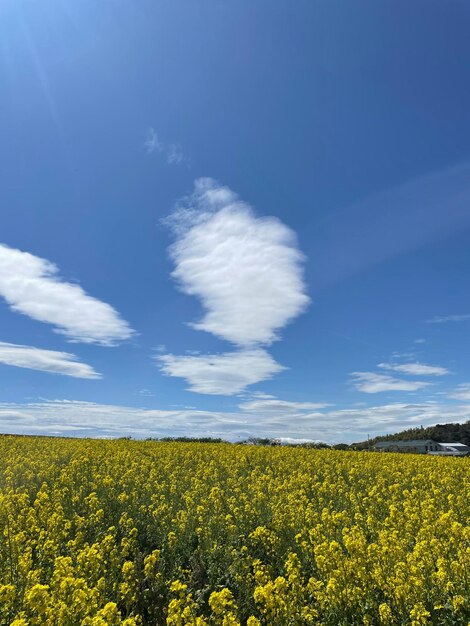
<point x="37" y="598"/>
<point x="385" y="613"/>
<point x="458" y="602"/>
<point x="419" y="615"/>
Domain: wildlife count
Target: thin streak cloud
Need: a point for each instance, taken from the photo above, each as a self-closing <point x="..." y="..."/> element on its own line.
<point x="391" y="223"/>
<point x="50" y="361"/>
<point x="442" y="319"/>
<point x="415" y="369"/>
<point x="369" y="382"/>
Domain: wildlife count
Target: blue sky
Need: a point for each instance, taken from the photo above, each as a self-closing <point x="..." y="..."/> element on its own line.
<point x="234" y="218"/>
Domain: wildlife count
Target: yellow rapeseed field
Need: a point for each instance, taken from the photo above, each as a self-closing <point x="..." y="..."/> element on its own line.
<point x="96" y="533"/>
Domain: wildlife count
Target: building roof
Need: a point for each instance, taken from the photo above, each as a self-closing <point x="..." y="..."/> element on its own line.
<point x="454" y="445"/>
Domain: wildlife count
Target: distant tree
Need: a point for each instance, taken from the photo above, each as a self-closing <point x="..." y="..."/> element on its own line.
<point x="444" y="433"/>
<point x="264" y="441"/>
<point x="189" y="439"/>
<point x="259" y="441"/>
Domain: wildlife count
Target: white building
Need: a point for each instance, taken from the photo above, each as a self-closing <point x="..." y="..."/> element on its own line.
<point x="453" y="449"/>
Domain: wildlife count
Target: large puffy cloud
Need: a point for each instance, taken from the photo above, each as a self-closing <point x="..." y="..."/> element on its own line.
<point x="221" y="374"/>
<point x="31" y="285"/>
<point x="369" y="382"/>
<point x="246" y="270"/>
<point x="50" y="361"/>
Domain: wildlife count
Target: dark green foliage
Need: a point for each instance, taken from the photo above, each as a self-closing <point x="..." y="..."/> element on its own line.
<point x="444" y="433"/>
<point x="188" y="439"/>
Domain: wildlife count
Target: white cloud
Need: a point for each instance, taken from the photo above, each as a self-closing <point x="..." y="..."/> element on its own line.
<point x="221" y="374"/>
<point x="260" y="394"/>
<point x="146" y="393"/>
<point x="415" y="369"/>
<point x="31" y="285"/>
<point x="173" y="152"/>
<point x="296" y="440"/>
<point x="246" y="270"/>
<point x="152" y="143"/>
<point x="248" y="273"/>
<point x="462" y="392"/>
<point x="279" y="406"/>
<point x="393" y="417"/>
<point x="369" y="382"/>
<point x="63" y="417"/>
<point x="406" y="356"/>
<point x="45" y="361"/>
<point x="442" y="319"/>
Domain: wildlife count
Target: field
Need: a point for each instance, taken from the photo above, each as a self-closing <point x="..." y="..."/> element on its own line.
<point x="99" y="533"/>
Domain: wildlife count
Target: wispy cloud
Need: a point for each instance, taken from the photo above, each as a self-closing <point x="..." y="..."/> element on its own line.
<point x="370" y="382"/>
<point x="221" y="374"/>
<point x="415" y="369"/>
<point x="267" y="405"/>
<point x="63" y="417"/>
<point x="152" y="143"/>
<point x="146" y="393"/>
<point x="246" y="270"/>
<point x="405" y="356"/>
<point x="461" y="392"/>
<point x="442" y="319"/>
<point x="248" y="273"/>
<point x="31" y="285"/>
<point x="173" y="152"/>
<point x="393" y="417"/>
<point x="260" y="394"/>
<point x="50" y="361"/>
